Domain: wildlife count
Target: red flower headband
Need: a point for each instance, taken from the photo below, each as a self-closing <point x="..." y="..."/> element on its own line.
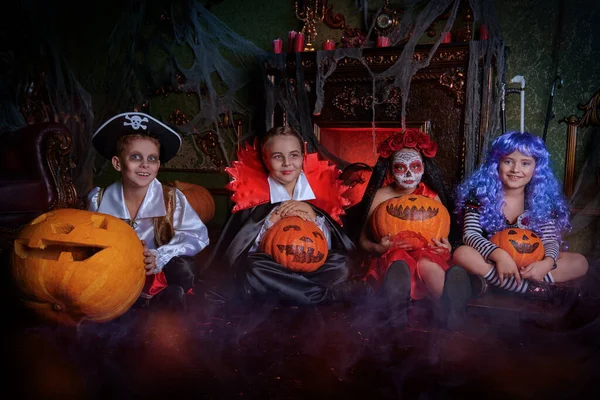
<point x="410" y="138"/>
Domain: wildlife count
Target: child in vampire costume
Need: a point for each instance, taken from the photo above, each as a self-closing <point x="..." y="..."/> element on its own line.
<point x="280" y="175"/>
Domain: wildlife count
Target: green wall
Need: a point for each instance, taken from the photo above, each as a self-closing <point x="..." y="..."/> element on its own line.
<point x="528" y="29"/>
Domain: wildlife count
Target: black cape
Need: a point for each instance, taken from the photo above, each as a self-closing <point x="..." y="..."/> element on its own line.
<point x="243" y="227"/>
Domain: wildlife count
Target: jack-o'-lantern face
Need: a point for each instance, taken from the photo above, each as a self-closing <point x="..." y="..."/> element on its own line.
<point x="523" y="245"/>
<point x="296" y="244"/>
<point x="73" y="266"/>
<point x="413" y="218"/>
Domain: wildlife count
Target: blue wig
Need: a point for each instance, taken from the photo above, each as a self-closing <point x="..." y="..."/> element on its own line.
<point x="543" y="195"/>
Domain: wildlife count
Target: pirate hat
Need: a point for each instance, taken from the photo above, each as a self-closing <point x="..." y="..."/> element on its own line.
<point x="105" y="138"/>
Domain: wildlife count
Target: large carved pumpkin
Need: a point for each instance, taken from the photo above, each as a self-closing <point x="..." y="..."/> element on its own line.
<point x="296" y="244"/>
<point x="200" y="199"/>
<point x="73" y="266"/>
<point x="523" y="245"/>
<point x="415" y="219"/>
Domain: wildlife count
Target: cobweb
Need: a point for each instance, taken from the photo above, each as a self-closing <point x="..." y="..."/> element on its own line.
<point x="486" y="65"/>
<point x="222" y="63"/>
<point x="38" y="85"/>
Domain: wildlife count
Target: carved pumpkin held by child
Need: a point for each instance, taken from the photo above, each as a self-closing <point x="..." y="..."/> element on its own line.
<point x="523" y="245"/>
<point x="413" y="218"/>
<point x="296" y="244"/>
<point x="72" y="266"/>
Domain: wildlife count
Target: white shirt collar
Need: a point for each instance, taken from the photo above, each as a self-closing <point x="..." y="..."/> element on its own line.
<point x="153" y="205"/>
<point x="302" y="191"/>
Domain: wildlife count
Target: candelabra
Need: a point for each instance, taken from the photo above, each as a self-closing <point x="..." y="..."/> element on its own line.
<point x="313" y="12"/>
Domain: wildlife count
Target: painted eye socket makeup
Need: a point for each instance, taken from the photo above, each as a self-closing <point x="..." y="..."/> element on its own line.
<point x="400" y="168"/>
<point x="138" y="157"/>
<point x="408" y="169"/>
<point x="416" y="166"/>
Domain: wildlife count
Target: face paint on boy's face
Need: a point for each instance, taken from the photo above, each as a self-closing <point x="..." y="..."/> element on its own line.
<point x="408" y="168"/>
<point x="138" y="163"/>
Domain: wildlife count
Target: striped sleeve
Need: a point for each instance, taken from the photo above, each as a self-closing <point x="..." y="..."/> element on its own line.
<point x="550" y="240"/>
<point x="473" y="234"/>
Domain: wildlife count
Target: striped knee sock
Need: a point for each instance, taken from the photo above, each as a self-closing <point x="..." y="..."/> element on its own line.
<point x="509" y="284"/>
<point x="549" y="278"/>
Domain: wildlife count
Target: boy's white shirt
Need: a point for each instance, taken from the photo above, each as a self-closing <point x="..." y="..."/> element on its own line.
<point x="278" y="193"/>
<point x="191" y="235"/>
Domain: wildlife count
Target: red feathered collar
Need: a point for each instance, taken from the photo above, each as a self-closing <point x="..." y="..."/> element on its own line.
<point x="250" y="186"/>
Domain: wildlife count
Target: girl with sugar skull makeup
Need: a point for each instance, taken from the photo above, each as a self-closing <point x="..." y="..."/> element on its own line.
<point x="394" y="268"/>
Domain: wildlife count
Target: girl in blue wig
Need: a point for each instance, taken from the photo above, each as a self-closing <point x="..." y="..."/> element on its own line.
<point x="515" y="187"/>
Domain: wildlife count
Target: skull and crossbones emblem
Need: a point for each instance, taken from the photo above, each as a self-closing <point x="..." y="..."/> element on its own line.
<point x="135" y="122"/>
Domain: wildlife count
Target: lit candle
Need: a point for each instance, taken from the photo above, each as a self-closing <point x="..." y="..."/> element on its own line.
<point x="299" y="42"/>
<point x="483" y="32"/>
<point x="291" y="38"/>
<point x="329" y="45"/>
<point x="383" y="41"/>
<point x="277" y="46"/>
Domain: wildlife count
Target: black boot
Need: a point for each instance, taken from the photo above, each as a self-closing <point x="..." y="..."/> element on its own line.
<point x="479" y="286"/>
<point x="456" y="294"/>
<point x="349" y="292"/>
<point x="172" y="298"/>
<point x="557" y="293"/>
<point x="394" y="295"/>
<point x="396" y="284"/>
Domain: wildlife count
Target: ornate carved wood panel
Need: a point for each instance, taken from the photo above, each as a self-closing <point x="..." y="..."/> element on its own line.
<point x="437" y="95"/>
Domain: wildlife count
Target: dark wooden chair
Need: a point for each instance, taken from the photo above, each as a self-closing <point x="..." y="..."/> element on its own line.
<point x="35" y="174"/>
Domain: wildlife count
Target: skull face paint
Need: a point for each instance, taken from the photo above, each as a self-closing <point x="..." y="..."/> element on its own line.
<point x="407" y="168"/>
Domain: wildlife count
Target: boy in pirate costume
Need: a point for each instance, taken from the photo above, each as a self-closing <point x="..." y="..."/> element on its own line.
<point x="170" y="230"/>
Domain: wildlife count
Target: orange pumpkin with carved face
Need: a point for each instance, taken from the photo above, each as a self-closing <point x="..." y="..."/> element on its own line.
<point x="416" y="219"/>
<point x="296" y="244"/>
<point x="523" y="245"/>
<point x="72" y="266"/>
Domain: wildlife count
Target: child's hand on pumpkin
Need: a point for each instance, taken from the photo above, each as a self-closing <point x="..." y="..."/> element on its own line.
<point x="149" y="260"/>
<point x="383" y="246"/>
<point x="402" y="244"/>
<point x="387" y="243"/>
<point x="294" y="206"/>
<point x="274" y="217"/>
<point x="537" y="270"/>
<point x="506" y="267"/>
<point x="300" y="214"/>
<point x="441" y="247"/>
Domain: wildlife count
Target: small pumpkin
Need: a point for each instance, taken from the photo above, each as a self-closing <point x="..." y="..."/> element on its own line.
<point x="72" y="266"/>
<point x="296" y="244"/>
<point x="415" y="219"/>
<point x="523" y="245"/>
<point x="200" y="199"/>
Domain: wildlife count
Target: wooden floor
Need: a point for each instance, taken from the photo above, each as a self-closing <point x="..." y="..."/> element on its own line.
<point x="505" y="349"/>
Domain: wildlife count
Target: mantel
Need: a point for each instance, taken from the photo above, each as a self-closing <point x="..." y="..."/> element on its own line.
<point x="380" y="59"/>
